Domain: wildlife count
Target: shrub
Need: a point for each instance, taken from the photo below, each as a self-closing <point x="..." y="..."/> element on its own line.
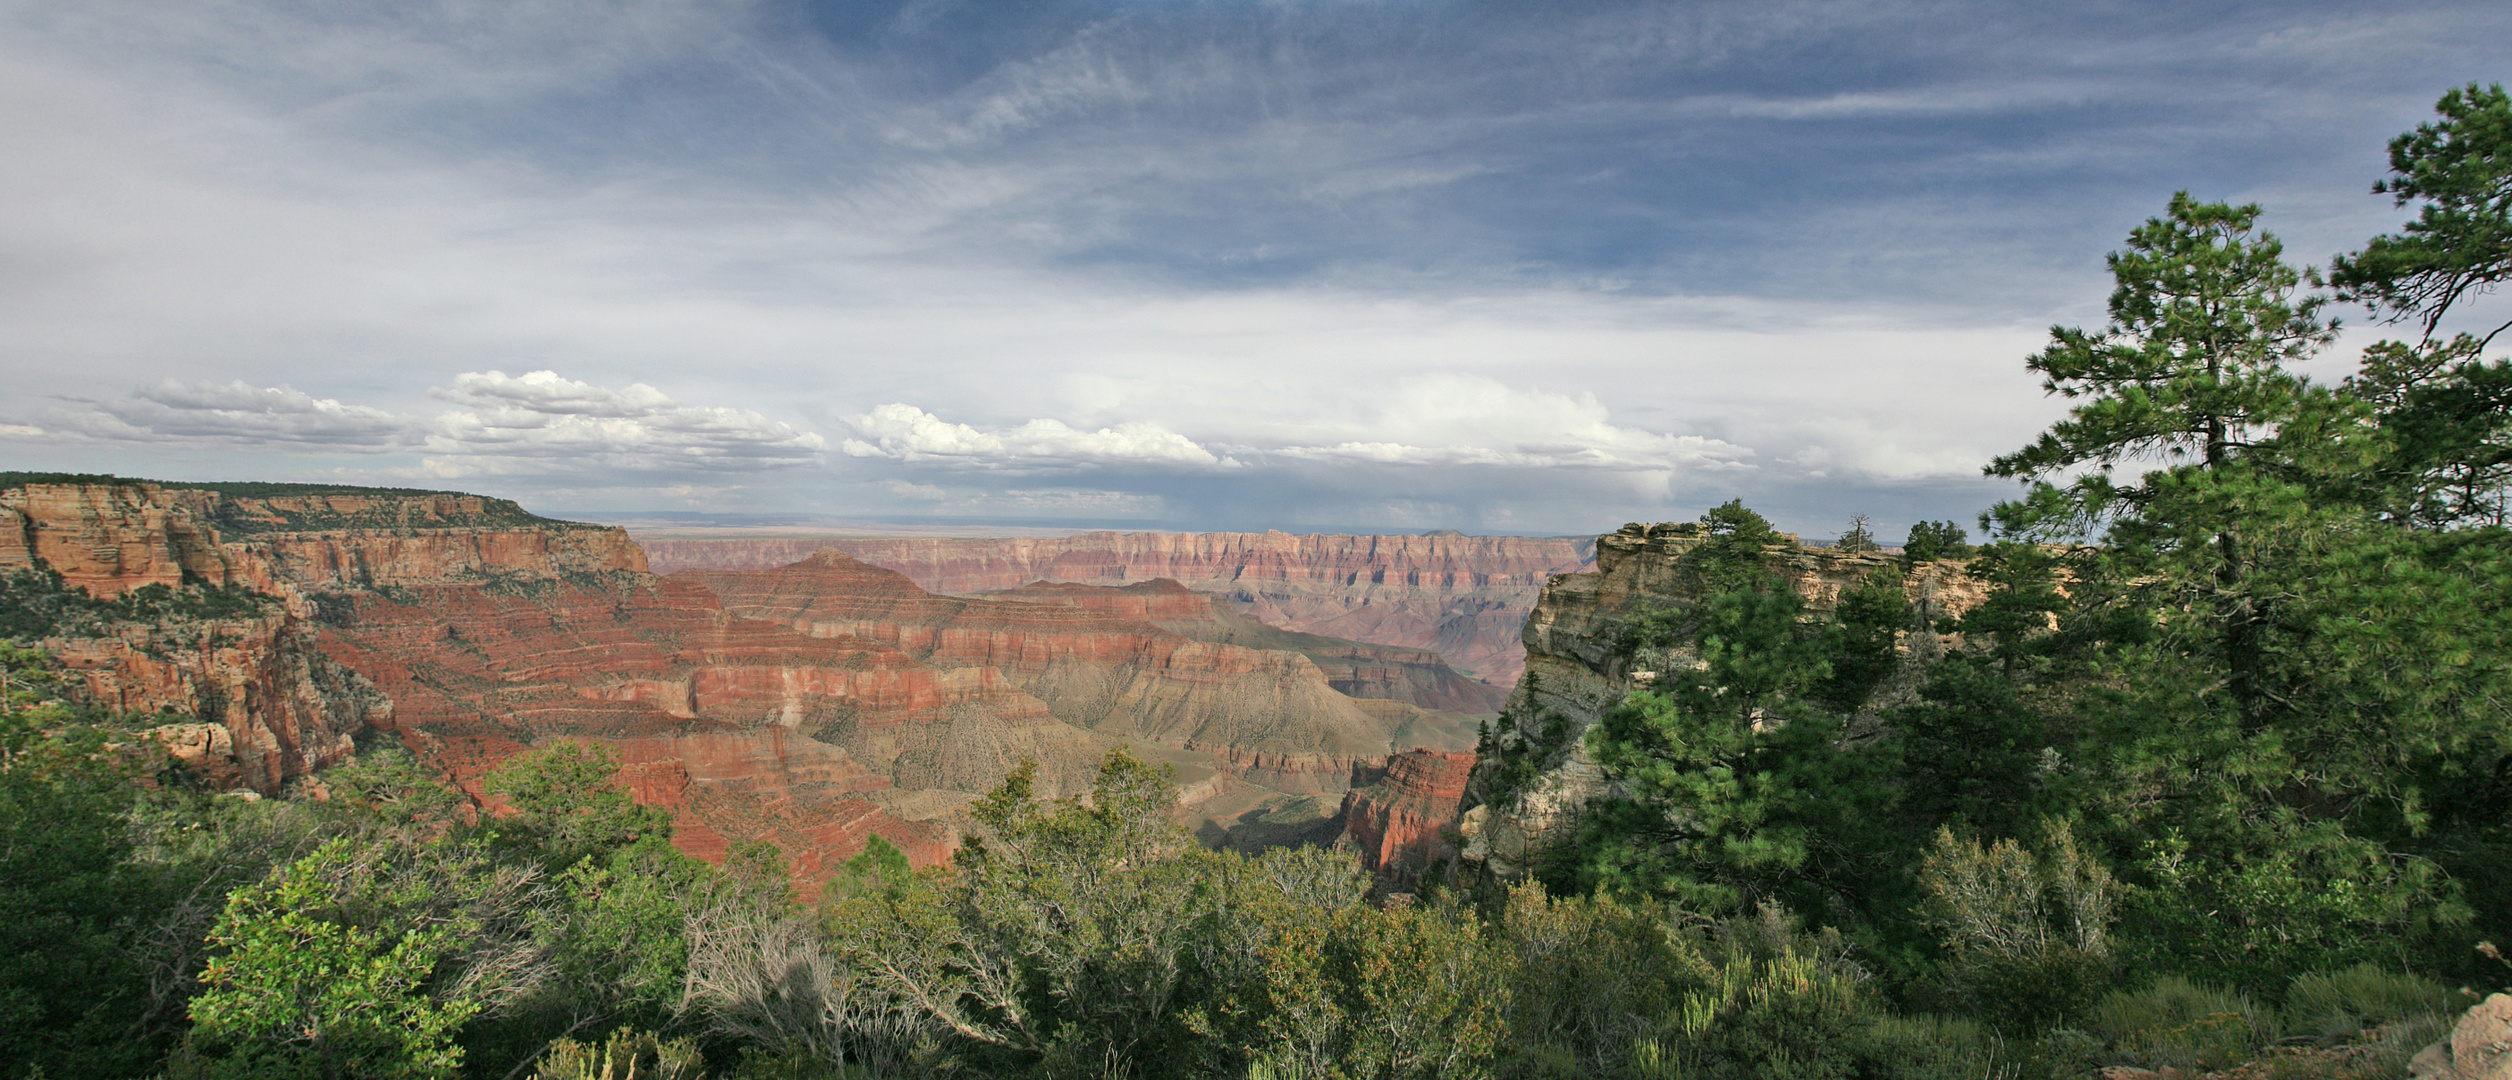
<point x="1393" y="993"/>
<point x="2338" y="1005"/>
<point x="1927" y="1047"/>
<point x="1596" y="979"/>
<point x="626" y="1055"/>
<point x="2026" y="934"/>
<point x="2175" y="1023"/>
<point x="1784" y="1005"/>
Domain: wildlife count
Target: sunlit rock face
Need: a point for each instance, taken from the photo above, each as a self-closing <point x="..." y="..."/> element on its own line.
<point x="1578" y="668"/>
<point x="1463" y="597"/>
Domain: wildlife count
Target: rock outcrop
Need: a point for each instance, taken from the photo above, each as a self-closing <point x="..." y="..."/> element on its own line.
<point x="1578" y="667"/>
<point x="1402" y="819"/>
<point x="2480" y="1046"/>
<point x="1463" y="597"/>
<point x="470" y="630"/>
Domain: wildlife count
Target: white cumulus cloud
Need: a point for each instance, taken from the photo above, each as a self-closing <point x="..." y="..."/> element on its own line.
<point x="1445" y="420"/>
<point x="904" y="432"/>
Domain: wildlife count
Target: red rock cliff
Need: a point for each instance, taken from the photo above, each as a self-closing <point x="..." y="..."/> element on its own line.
<point x="471" y="630"/>
<point x="1270" y="714"/>
<point x="1353" y="668"/>
<point x="1402" y="819"/>
<point x="1464" y="597"/>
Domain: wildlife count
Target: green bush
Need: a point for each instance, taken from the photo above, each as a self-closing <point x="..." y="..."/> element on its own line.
<point x="626" y="1055"/>
<point x="2175" y="1023"/>
<point x="1596" y="979"/>
<point x="1922" y="1046"/>
<point x="2026" y="933"/>
<point x="2338" y="1005"/>
<point x="1785" y="1005"/>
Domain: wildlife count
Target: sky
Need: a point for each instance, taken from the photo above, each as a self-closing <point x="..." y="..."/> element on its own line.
<point x="1533" y="268"/>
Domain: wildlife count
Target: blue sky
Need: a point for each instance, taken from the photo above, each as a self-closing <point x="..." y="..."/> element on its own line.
<point x="1534" y="268"/>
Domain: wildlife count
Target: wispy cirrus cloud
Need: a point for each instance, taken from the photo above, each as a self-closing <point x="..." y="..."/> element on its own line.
<point x="537" y="423"/>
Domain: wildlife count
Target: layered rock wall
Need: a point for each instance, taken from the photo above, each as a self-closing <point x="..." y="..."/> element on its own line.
<point x="1463" y="597"/>
<point x="1269" y="714"/>
<point x="1401" y="819"/>
<point x="111" y="538"/>
<point x="470" y="631"/>
<point x="1353" y="668"/>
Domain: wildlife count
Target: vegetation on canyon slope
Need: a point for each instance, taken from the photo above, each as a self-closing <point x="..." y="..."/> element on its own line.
<point x="2218" y="772"/>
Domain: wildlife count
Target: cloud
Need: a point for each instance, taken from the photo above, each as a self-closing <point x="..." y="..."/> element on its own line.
<point x="1526" y="265"/>
<point x="538" y="423"/>
<point x="546" y="392"/>
<point x="239" y="414"/>
<point x="1454" y="420"/>
<point x="903" y="432"/>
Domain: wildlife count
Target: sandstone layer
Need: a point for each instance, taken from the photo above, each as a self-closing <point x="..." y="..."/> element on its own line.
<point x="1578" y="667"/>
<point x="1099" y="661"/>
<point x="1353" y="668"/>
<point x="470" y="630"/>
<point x="1401" y="819"/>
<point x="1463" y="597"/>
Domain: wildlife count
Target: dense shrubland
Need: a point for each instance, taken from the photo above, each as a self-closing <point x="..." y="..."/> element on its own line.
<point x="2217" y="773"/>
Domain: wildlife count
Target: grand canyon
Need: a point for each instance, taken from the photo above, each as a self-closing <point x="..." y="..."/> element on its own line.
<point x="815" y="701"/>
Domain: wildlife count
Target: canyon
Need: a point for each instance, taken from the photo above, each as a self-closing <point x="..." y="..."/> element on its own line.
<point x="812" y="704"/>
<point x="1463" y="597"/>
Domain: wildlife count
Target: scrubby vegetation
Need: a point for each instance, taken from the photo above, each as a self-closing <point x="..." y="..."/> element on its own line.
<point x="35" y="604"/>
<point x="2218" y="773"/>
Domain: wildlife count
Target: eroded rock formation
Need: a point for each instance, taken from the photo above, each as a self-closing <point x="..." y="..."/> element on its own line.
<point x="1463" y="597"/>
<point x="1402" y="819"/>
<point x="1098" y="661"/>
<point x="471" y="630"/>
<point x="812" y="705"/>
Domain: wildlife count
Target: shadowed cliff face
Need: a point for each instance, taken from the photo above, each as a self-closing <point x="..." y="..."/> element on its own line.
<point x="1402" y="819"/>
<point x="1463" y="597"/>
<point x="1354" y="669"/>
